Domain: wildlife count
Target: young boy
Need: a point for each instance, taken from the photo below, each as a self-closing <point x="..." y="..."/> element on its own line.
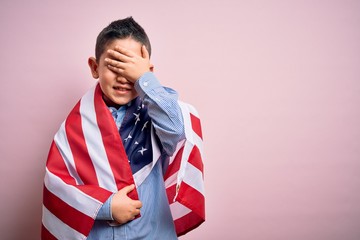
<point x="126" y="163"/>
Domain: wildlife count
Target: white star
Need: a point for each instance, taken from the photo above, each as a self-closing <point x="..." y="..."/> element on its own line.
<point x="136" y="143"/>
<point x="145" y="125"/>
<point x="128" y="137"/>
<point x="137" y="117"/>
<point x="142" y="150"/>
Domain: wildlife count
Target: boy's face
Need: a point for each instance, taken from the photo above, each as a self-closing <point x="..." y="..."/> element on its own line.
<point x="116" y="89"/>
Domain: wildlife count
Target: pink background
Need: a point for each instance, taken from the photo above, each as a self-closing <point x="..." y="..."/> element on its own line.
<point x="277" y="84"/>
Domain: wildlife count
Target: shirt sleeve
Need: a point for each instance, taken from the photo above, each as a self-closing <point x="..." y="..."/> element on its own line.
<point x="164" y="110"/>
<point x="105" y="210"/>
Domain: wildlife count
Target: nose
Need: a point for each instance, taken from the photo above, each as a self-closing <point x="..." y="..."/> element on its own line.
<point x="121" y="79"/>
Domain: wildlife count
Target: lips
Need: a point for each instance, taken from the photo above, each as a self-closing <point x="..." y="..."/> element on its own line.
<point x="121" y="89"/>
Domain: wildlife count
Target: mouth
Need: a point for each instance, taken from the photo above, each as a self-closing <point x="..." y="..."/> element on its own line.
<point x="121" y="89"/>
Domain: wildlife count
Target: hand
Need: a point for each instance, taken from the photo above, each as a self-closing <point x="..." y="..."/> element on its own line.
<point x="123" y="208"/>
<point x="128" y="64"/>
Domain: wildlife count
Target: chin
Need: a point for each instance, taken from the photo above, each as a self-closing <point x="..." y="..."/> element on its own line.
<point x="123" y="101"/>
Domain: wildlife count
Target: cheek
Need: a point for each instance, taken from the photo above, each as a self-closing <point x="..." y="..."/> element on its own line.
<point x="134" y="92"/>
<point x="107" y="75"/>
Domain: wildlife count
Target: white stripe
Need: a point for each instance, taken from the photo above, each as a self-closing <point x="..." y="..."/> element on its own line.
<point x="184" y="161"/>
<point x="178" y="210"/>
<point x="141" y="175"/>
<point x="155" y="148"/>
<point x="193" y="110"/>
<point x="187" y="122"/>
<point x="199" y="143"/>
<point x="63" y="146"/>
<point x="194" y="178"/>
<point x="178" y="147"/>
<point x="95" y="144"/>
<point x="57" y="228"/>
<point x="72" y="195"/>
<point x="171" y="180"/>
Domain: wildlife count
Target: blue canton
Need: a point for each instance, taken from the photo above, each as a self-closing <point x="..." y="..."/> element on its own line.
<point x="135" y="132"/>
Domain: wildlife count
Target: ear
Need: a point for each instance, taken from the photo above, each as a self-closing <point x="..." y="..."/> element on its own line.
<point x="93" y="67"/>
<point x="151" y="67"/>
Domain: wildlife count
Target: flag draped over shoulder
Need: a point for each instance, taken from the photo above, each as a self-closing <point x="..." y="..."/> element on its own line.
<point x="87" y="162"/>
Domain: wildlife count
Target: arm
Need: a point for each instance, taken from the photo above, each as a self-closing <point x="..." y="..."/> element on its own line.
<point x="161" y="102"/>
<point x="105" y="211"/>
<point x="163" y="109"/>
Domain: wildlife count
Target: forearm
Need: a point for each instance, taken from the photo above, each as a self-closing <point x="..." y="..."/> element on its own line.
<point x="164" y="110"/>
<point x="105" y="210"/>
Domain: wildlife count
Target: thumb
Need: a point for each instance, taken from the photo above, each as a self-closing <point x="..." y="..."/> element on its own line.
<point x="144" y="52"/>
<point x="128" y="189"/>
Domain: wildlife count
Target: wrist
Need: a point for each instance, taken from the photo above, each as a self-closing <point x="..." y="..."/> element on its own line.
<point x="105" y="212"/>
<point x="146" y="83"/>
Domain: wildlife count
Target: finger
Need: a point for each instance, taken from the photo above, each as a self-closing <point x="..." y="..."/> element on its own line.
<point x="136" y="212"/>
<point x="118" y="56"/>
<point x="137" y="204"/>
<point x="114" y="63"/>
<point x="144" y="52"/>
<point x="128" y="189"/>
<point x="116" y="70"/>
<point x="125" y="51"/>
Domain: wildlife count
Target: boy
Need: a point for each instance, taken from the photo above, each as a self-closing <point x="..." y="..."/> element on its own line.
<point x="126" y="163"/>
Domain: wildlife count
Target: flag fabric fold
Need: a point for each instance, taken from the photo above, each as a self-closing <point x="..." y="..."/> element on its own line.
<point x="87" y="162"/>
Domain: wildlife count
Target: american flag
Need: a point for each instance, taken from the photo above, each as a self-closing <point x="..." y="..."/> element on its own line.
<point x="87" y="162"/>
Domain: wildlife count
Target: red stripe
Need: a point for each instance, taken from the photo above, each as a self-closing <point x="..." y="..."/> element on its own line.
<point x="187" y="223"/>
<point x="195" y="201"/>
<point x="83" y="163"/>
<point x="170" y="193"/>
<point x="175" y="165"/>
<point x="56" y="165"/>
<point x="67" y="214"/>
<point x="196" y="125"/>
<point x="192" y="199"/>
<point x="96" y="192"/>
<point x="195" y="159"/>
<point x="113" y="145"/>
<point x="45" y="234"/>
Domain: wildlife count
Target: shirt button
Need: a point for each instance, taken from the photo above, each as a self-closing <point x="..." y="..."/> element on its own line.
<point x="146" y="84"/>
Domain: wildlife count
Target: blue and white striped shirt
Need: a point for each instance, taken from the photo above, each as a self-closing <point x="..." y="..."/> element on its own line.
<point x="155" y="221"/>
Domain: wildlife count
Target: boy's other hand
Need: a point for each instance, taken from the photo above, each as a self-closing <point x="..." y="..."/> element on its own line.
<point x="125" y="209"/>
<point x="127" y="63"/>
